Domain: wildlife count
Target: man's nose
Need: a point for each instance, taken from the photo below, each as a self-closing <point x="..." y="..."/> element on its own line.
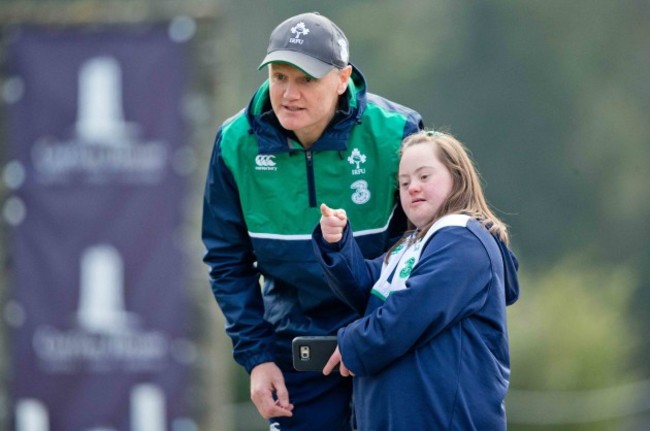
<point x="291" y="91"/>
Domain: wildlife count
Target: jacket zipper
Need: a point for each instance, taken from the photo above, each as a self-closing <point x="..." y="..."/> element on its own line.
<point x="311" y="184"/>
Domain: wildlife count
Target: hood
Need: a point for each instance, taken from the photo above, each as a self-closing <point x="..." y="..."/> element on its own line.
<point x="272" y="137"/>
<point x="510" y="268"/>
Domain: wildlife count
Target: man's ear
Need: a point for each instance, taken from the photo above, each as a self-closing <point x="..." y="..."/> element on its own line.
<point x="344" y="76"/>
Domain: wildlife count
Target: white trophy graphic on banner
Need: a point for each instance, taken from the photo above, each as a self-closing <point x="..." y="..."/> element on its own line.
<point x="100" y="113"/>
<point x="104" y="147"/>
<point x="101" y="295"/>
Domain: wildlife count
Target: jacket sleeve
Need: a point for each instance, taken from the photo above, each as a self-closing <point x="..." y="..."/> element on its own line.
<point x="449" y="283"/>
<point x="234" y="278"/>
<point x="413" y="124"/>
<point x="348" y="274"/>
<point x="398" y="223"/>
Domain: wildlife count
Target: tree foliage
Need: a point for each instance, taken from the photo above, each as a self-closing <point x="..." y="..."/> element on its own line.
<point x="572" y="344"/>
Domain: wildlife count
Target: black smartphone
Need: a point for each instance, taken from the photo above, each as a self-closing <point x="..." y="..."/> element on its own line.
<point x="312" y="353"/>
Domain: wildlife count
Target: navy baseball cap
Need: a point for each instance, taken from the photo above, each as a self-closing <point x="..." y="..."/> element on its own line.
<point x="309" y="42"/>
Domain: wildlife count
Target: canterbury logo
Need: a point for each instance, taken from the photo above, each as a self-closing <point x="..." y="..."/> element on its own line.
<point x="264" y="162"/>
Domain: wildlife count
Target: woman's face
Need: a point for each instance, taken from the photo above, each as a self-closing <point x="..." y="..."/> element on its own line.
<point x="424" y="183"/>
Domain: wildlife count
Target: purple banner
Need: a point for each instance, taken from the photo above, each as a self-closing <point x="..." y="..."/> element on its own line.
<point x="98" y="295"/>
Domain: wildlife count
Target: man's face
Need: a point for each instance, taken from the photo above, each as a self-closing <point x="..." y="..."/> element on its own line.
<point x="304" y="104"/>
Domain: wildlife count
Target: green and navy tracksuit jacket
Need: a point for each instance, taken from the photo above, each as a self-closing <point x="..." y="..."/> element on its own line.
<point x="261" y="203"/>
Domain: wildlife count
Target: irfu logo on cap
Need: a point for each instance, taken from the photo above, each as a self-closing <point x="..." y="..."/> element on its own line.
<point x="298" y="30"/>
<point x="345" y="55"/>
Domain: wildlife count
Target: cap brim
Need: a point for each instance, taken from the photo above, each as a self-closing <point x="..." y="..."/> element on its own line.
<point x="311" y="66"/>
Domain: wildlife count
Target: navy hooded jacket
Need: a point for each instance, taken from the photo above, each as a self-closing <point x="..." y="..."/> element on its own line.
<point x="434" y="354"/>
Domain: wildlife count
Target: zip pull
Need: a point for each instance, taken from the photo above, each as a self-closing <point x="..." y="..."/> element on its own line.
<point x="311" y="182"/>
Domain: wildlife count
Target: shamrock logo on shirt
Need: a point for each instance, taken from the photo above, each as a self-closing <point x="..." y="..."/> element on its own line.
<point x="408" y="267"/>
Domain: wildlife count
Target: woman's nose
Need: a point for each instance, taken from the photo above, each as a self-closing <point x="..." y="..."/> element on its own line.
<point x="414" y="187"/>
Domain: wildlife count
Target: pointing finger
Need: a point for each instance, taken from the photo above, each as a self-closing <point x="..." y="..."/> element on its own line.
<point x="325" y="210"/>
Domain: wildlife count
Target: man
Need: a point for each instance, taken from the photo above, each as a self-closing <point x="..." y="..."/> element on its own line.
<point x="310" y="134"/>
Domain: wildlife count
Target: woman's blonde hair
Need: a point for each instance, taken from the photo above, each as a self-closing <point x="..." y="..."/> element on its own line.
<point x="466" y="195"/>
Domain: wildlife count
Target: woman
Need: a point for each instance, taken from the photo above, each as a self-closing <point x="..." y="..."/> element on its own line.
<point x="431" y="352"/>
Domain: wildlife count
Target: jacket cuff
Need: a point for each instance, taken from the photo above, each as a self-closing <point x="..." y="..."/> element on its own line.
<point x="317" y="236"/>
<point x="254" y="360"/>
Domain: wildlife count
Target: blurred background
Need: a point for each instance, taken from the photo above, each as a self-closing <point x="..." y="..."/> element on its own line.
<point x="552" y="98"/>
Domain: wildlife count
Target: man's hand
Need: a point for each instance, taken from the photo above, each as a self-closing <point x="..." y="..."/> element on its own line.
<point x="332" y="223"/>
<point x="336" y="359"/>
<point x="266" y="380"/>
